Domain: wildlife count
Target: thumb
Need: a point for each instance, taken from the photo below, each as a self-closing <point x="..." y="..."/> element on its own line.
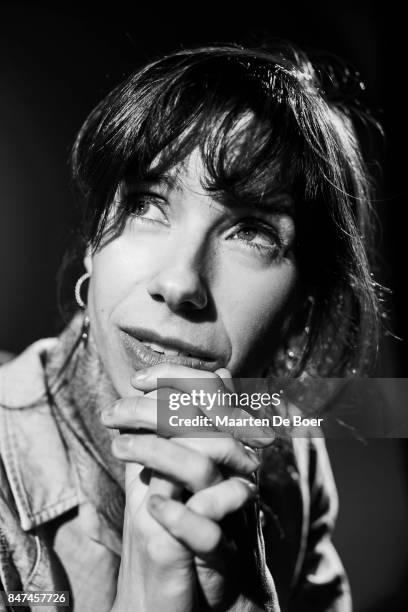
<point x="226" y="377"/>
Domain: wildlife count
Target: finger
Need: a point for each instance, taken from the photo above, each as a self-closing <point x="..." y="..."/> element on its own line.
<point x="165" y="486"/>
<point x="140" y="413"/>
<point x="147" y="379"/>
<point x="131" y="412"/>
<point x="226" y="378"/>
<point x="239" y="425"/>
<point x="223" y="498"/>
<point x="255" y="439"/>
<point x="225" y="451"/>
<point x="198" y="533"/>
<point x="211" y="383"/>
<point x="193" y="470"/>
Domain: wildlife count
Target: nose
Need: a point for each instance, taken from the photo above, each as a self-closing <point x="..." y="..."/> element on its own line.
<point x="180" y="282"/>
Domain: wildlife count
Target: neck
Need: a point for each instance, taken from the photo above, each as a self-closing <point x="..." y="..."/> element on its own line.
<point x="82" y="390"/>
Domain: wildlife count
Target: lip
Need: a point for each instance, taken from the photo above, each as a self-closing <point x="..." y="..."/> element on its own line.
<point x="142" y="356"/>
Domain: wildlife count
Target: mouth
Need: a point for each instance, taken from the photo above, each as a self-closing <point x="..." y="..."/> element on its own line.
<point x="147" y="348"/>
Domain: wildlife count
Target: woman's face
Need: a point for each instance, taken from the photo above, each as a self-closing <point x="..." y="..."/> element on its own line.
<point x="191" y="280"/>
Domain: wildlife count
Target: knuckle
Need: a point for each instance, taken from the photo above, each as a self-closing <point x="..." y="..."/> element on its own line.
<point x="147" y="451"/>
<point x="201" y="504"/>
<point x="232" y="448"/>
<point x="155" y="447"/>
<point x="155" y="551"/>
<point x="175" y="518"/>
<point x="125" y="409"/>
<point x="212" y="540"/>
<point x="206" y="472"/>
<point x="232" y="452"/>
<point x="133" y="407"/>
<point x="228" y="446"/>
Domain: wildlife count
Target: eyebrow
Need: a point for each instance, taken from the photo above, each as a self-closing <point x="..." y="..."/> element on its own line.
<point x="166" y="179"/>
<point x="282" y="204"/>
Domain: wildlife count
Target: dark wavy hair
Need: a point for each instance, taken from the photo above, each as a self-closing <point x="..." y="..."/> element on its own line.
<point x="264" y="124"/>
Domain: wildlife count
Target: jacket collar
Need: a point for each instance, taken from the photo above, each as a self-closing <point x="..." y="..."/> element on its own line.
<point x="41" y="479"/>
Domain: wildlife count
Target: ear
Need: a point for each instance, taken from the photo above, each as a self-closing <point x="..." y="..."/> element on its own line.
<point x="88" y="260"/>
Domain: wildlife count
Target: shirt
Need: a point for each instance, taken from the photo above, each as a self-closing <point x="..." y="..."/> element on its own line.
<point x="53" y="538"/>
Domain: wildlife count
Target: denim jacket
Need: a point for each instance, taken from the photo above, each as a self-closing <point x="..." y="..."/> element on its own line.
<point x="39" y="501"/>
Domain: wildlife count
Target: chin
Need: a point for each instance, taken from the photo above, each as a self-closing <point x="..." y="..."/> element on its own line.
<point x="120" y="374"/>
<point x="117" y="368"/>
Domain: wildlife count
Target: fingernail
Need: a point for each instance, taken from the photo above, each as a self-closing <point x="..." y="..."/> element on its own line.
<point x="122" y="441"/>
<point x="156" y="502"/>
<point x="251" y="485"/>
<point x="106" y="415"/>
<point x="251" y="454"/>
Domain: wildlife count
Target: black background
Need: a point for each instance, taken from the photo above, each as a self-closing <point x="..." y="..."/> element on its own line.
<point x="57" y="61"/>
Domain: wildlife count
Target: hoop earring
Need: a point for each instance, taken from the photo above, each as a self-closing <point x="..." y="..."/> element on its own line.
<point x="78" y="287"/>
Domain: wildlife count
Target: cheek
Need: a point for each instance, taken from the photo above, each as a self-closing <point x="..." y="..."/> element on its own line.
<point x="257" y="309"/>
<point x="116" y="270"/>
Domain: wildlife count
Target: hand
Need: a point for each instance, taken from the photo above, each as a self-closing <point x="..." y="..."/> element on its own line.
<point x="185" y="547"/>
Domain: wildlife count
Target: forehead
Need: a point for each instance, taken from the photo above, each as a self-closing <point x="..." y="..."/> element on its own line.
<point x="191" y="175"/>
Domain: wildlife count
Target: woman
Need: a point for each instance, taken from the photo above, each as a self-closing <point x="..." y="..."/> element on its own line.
<point x="225" y="234"/>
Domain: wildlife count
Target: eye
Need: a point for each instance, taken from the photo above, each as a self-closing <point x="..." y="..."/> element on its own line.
<point x="258" y="236"/>
<point x="145" y="207"/>
<point x="248" y="233"/>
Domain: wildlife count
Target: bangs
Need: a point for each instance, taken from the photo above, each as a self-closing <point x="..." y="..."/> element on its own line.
<point x="248" y="142"/>
<point x="238" y="114"/>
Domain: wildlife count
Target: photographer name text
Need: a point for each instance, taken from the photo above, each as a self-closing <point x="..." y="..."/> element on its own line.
<point x="250" y="421"/>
